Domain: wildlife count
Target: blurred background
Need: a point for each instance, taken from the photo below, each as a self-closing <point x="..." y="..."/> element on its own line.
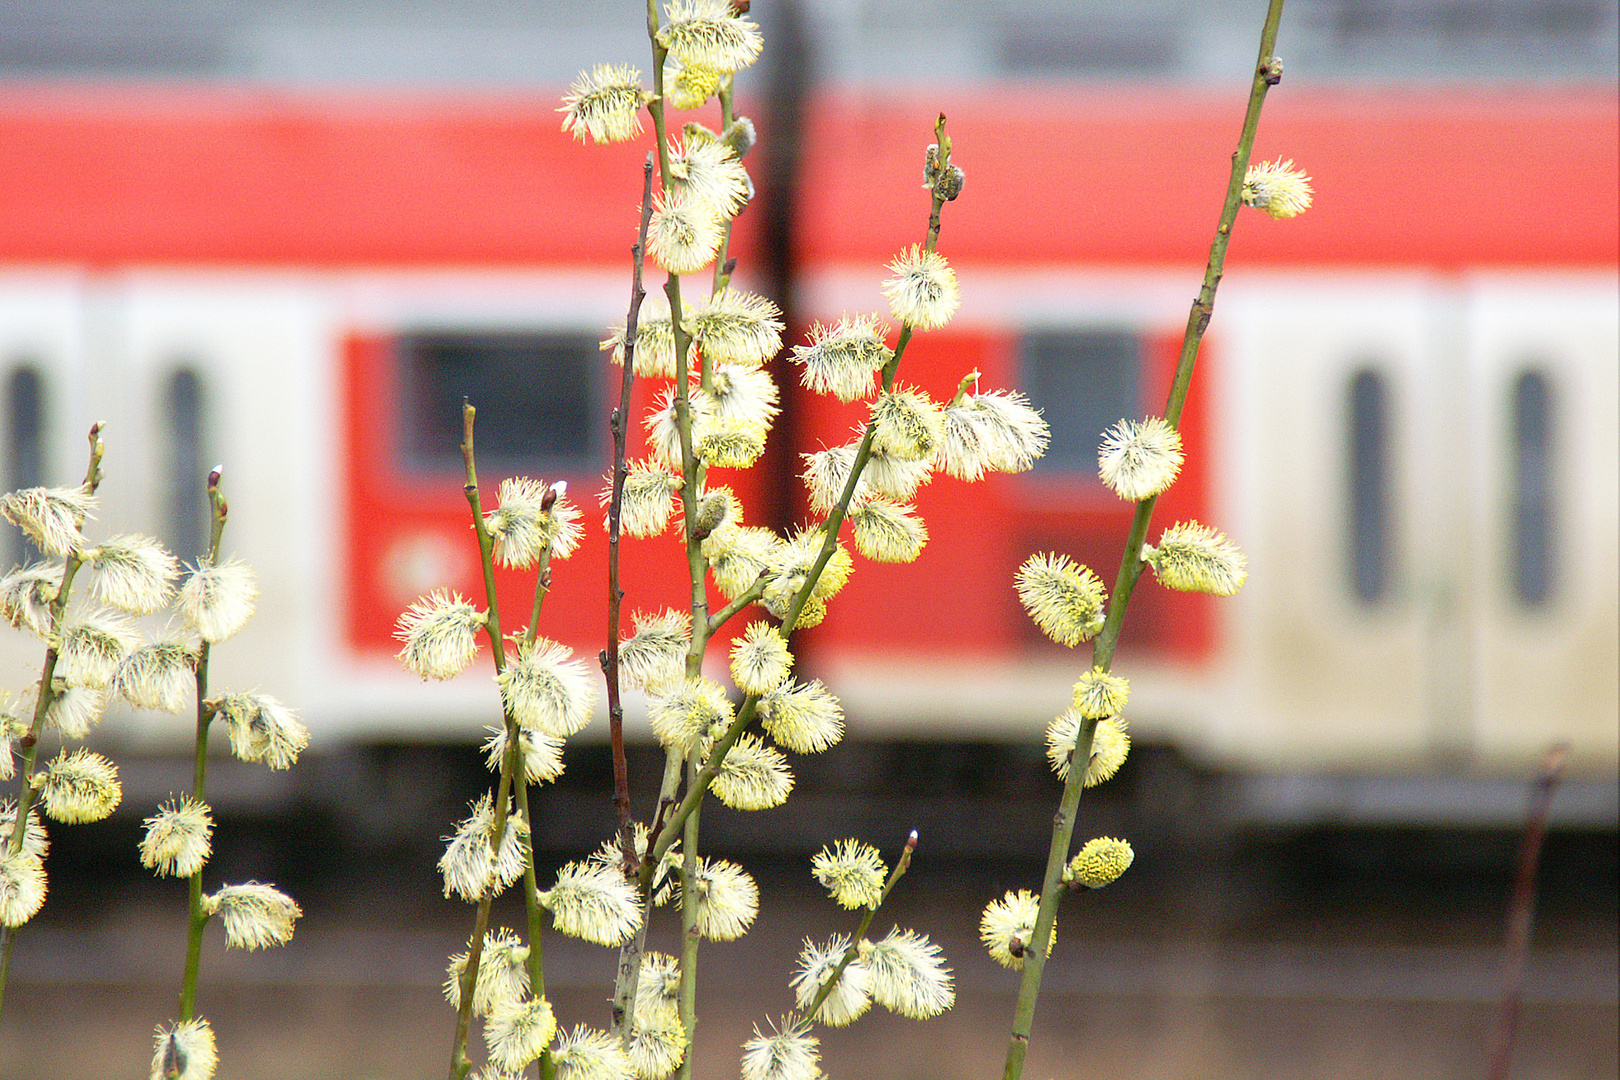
<point x="292" y="236"/>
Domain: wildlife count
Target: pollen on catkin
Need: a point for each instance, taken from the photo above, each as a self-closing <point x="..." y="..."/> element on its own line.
<point x="743" y="395"/>
<point x="704" y="170"/>
<point x="803" y="717"/>
<point x="134" y="574"/>
<point x="658" y="1043"/>
<point x="653" y="657"/>
<point x="848" y="1000"/>
<point x="1007" y="928"/>
<point x="895" y="478"/>
<point x="852" y="872"/>
<point x="470" y="864"/>
<point x="542" y="754"/>
<point x="159" y="676"/>
<point x="752" y="776"/>
<point x="547" y="690"/>
<point x="262" y="729"/>
<point x="26" y="594"/>
<point x="734" y="445"/>
<point x="906" y="424"/>
<point x="684" y="233"/>
<point x="994" y="431"/>
<point x="1100" y="862"/>
<point x="605" y="104"/>
<point x="826" y="474"/>
<point x="79" y="787"/>
<point x="1098" y="694"/>
<point x="736" y="327"/>
<point x="790" y="1053"/>
<point x="923" y="291"/>
<point x="22" y="886"/>
<point x="710" y="34"/>
<point x="74" y="710"/>
<point x="503" y="974"/>
<point x="649" y="498"/>
<point x="907" y="975"/>
<point x="1190" y="557"/>
<point x="523" y="525"/>
<point x="727" y="900"/>
<point x="184" y="1051"/>
<point x="1139" y="460"/>
<point x="178" y="838"/>
<point x="217" y="599"/>
<point x="1064" y="598"/>
<point x="255" y="916"/>
<point x="888" y="532"/>
<point x="844" y="359"/>
<point x="1110" y="745"/>
<point x="760" y="659"/>
<point x="588" y="1054"/>
<point x="683" y="713"/>
<point x="593" y="901"/>
<point x="1277" y="188"/>
<point x="93" y="644"/>
<point x="35" y="842"/>
<point x="738" y="554"/>
<point x="517" y="1032"/>
<point x="654" y="341"/>
<point x="51" y="517"/>
<point x="688" y="86"/>
<point x="440" y="632"/>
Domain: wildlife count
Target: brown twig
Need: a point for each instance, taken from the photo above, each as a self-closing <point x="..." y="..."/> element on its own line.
<point x="619" y="424"/>
<point x="1522" y="912"/>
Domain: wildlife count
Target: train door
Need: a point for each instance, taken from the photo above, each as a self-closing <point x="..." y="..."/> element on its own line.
<point x="1340" y="488"/>
<point x="235" y="369"/>
<point x="44" y="420"/>
<point x="1544" y="391"/>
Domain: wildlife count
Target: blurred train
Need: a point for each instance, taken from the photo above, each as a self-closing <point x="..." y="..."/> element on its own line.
<point x="1405" y="409"/>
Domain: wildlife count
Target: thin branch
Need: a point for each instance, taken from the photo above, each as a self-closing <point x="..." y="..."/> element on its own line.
<point x="1522" y="913"/>
<point x="1267" y="72"/>
<point x="619" y="424"/>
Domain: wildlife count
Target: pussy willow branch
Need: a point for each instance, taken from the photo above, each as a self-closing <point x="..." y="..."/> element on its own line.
<point x="1522" y="912"/>
<point x="510" y="760"/>
<point x="42" y="703"/>
<point x="900" y="867"/>
<point x="665" y="837"/>
<point x="1266" y="75"/>
<point x="619" y="425"/>
<point x="196" y="919"/>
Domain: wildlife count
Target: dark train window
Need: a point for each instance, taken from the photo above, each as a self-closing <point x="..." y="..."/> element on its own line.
<point x="1370" y="484"/>
<point x="1531" y="510"/>
<point x="182" y="482"/>
<point x="25" y="448"/>
<point x="1084" y="382"/>
<point x="538" y="396"/>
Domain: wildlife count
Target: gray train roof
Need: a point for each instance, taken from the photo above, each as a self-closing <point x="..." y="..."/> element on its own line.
<point x="518" y="43"/>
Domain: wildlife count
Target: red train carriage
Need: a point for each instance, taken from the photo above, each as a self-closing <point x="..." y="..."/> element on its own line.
<point x="1404" y="412"/>
<point x="306" y="287"/>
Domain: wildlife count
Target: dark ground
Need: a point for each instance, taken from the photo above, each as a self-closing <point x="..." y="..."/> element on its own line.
<point x="1228" y="951"/>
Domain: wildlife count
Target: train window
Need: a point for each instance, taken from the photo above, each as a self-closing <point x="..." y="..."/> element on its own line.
<point x="537" y="394"/>
<point x="1083" y="381"/>
<point x="1370" y="482"/>
<point x="25" y="448"/>
<point x="1531" y="510"/>
<point x="183" y="492"/>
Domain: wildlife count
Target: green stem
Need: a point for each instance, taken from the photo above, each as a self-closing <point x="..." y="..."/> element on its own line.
<point x="42" y="703"/>
<point x="510" y="760"/>
<point x="827" y="984"/>
<point x="690" y="938"/>
<point x="536" y="913"/>
<point x="196" y="918"/>
<point x="1130" y="571"/>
